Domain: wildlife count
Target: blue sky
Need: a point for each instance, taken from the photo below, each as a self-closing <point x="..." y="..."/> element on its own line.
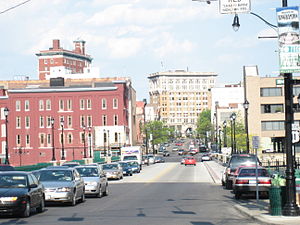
<point x="137" y="37"/>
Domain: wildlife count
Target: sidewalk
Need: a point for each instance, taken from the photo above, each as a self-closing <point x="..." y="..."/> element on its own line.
<point x="257" y="211"/>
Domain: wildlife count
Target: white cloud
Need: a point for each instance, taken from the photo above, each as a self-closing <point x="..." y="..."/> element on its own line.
<point x="228" y="58"/>
<point x="124" y="47"/>
<point x="232" y="42"/>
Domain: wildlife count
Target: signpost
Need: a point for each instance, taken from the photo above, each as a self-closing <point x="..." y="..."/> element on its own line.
<point x="255" y="144"/>
<point x="234" y="6"/>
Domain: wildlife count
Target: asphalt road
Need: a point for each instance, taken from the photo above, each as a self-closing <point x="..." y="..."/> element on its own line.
<point x="162" y="194"/>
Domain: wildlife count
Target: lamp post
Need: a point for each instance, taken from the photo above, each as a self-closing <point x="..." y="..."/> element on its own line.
<point x="90" y="141"/>
<point x="246" y="107"/>
<point x="216" y="116"/>
<point x="83" y="139"/>
<point x="108" y="144"/>
<point x="233" y="117"/>
<point x="53" y="148"/>
<point x="224" y="134"/>
<point x="231" y="135"/>
<point x="146" y="133"/>
<point x="220" y="140"/>
<point x="6" y="112"/>
<point x="104" y="141"/>
<point x="62" y="139"/>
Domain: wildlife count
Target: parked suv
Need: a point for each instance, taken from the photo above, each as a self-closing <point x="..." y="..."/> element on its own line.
<point x="235" y="161"/>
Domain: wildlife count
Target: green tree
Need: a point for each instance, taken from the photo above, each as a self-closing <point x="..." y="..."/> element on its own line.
<point x="240" y="135"/>
<point x="204" y="125"/>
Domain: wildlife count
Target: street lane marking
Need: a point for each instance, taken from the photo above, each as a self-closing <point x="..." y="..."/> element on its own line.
<point x="162" y="173"/>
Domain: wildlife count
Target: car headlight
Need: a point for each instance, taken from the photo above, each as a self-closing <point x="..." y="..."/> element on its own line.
<point x="115" y="172"/>
<point x="8" y="199"/>
<point x="64" y="189"/>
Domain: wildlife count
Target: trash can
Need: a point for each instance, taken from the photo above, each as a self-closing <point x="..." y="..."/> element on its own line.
<point x="275" y="201"/>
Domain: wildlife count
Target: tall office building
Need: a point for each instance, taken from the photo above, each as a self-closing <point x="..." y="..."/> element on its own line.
<point x="180" y="97"/>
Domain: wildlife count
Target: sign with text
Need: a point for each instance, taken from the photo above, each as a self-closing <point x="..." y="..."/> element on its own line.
<point x="255" y="142"/>
<point x="234" y="6"/>
<point x="289" y="39"/>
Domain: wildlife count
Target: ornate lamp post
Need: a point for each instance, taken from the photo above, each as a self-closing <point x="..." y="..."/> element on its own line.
<point x="216" y="116"/>
<point x="6" y="112"/>
<point x="83" y="139"/>
<point x="225" y="135"/>
<point x="246" y="107"/>
<point x="108" y="144"/>
<point x="104" y="141"/>
<point x="90" y="141"/>
<point x="233" y="144"/>
<point x="53" y="148"/>
<point x="62" y="139"/>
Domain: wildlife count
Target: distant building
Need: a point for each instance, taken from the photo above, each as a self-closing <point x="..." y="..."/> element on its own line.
<point x="73" y="60"/>
<point x="180" y="97"/>
<point x="140" y="121"/>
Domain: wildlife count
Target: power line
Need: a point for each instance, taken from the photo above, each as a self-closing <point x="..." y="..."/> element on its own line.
<point x="13" y="7"/>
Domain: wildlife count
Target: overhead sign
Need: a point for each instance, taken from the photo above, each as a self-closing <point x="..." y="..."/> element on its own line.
<point x="234" y="6"/>
<point x="289" y="39"/>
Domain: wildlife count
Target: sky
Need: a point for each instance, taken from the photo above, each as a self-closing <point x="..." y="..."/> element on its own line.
<point x="134" y="38"/>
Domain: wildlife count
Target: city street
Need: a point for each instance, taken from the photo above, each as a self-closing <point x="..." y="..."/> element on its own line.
<point x="167" y="193"/>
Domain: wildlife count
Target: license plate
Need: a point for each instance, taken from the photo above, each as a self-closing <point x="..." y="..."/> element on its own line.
<point x="252" y="181"/>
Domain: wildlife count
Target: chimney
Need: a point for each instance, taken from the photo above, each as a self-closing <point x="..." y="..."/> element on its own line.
<point x="56" y="44"/>
<point x="80" y="46"/>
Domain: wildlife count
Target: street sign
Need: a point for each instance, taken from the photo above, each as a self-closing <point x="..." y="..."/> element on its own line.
<point x="255" y="142"/>
<point x="295" y="136"/>
<point x="234" y="6"/>
<point x="279" y="81"/>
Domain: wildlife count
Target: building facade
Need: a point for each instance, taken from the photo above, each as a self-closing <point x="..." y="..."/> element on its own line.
<point x="73" y="60"/>
<point x="180" y="97"/>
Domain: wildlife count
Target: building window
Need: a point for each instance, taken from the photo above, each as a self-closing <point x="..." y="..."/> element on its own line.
<point x="41" y="105"/>
<point x="272" y="125"/>
<point x="69" y="118"/>
<point x="41" y="121"/>
<point x="49" y="121"/>
<point x="115" y="120"/>
<point x="272" y="108"/>
<point x="89" y="104"/>
<point x="270" y="92"/>
<point x="18" y="139"/>
<point x="18" y="122"/>
<point x="81" y="104"/>
<point x="116" y="137"/>
<point x="61" y="105"/>
<point x="27" y="140"/>
<point x="89" y="121"/>
<point x="27" y="108"/>
<point x="70" y="138"/>
<point x="51" y="61"/>
<point x="48" y="104"/>
<point x="115" y="103"/>
<point x="82" y="122"/>
<point x="18" y="105"/>
<point x="45" y="61"/>
<point x="104" y="120"/>
<point x="104" y="103"/>
<point x="42" y="139"/>
<point x="69" y="105"/>
<point x="48" y="139"/>
<point x="27" y="122"/>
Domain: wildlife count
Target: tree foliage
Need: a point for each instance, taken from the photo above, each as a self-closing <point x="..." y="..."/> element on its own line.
<point x="204" y="124"/>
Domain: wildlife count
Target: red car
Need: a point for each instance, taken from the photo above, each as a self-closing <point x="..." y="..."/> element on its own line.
<point x="190" y="161"/>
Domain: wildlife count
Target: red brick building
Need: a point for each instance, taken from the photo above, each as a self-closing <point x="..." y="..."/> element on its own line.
<point x="74" y="60"/>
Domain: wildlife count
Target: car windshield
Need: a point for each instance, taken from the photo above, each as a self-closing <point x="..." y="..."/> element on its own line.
<point x="110" y="166"/>
<point x="56" y="175"/>
<point x="133" y="163"/>
<point x="124" y="164"/>
<point x="250" y="172"/>
<point x="238" y="160"/>
<point x="88" y="171"/>
<point x="132" y="157"/>
<point x="13" y="181"/>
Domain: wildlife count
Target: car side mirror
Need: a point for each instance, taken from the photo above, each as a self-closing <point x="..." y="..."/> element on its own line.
<point x="33" y="186"/>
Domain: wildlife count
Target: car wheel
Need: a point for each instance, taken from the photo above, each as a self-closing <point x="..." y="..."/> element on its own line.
<point x="26" y="212"/>
<point x="41" y="207"/>
<point x="194" y="164"/>
<point x="131" y="174"/>
<point x="105" y="193"/>
<point x="82" y="199"/>
<point x="223" y="183"/>
<point x="228" y="184"/>
<point x="73" y="201"/>
<point x="99" y="195"/>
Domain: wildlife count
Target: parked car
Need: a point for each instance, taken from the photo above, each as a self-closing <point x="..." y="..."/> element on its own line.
<point x="190" y="161"/>
<point x="71" y="164"/>
<point x="113" y="171"/>
<point x="180" y="151"/>
<point x="151" y="159"/>
<point x="19" y="193"/>
<point x="62" y="184"/>
<point x="235" y="161"/>
<point x="95" y="180"/>
<point x="134" y="166"/>
<point x="6" y="167"/>
<point x="127" y="170"/>
<point x="245" y="182"/>
<point x="182" y="160"/>
<point x="174" y="149"/>
<point x="166" y="153"/>
<point x="205" y="157"/>
<point x="159" y="159"/>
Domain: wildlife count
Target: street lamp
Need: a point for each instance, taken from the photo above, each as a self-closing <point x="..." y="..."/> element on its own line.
<point x="108" y="144"/>
<point x="6" y="112"/>
<point x="90" y="141"/>
<point x="224" y="134"/>
<point x="83" y="139"/>
<point x="104" y="141"/>
<point x="220" y="142"/>
<point x="53" y="148"/>
<point x="216" y="116"/>
<point x="246" y="107"/>
<point x="233" y="117"/>
<point x="62" y="139"/>
<point x="146" y="133"/>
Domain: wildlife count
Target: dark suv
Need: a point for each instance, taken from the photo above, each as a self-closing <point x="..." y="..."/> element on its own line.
<point x="235" y="161"/>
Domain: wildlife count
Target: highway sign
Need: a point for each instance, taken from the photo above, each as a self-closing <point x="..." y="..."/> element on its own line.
<point x="234" y="6"/>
